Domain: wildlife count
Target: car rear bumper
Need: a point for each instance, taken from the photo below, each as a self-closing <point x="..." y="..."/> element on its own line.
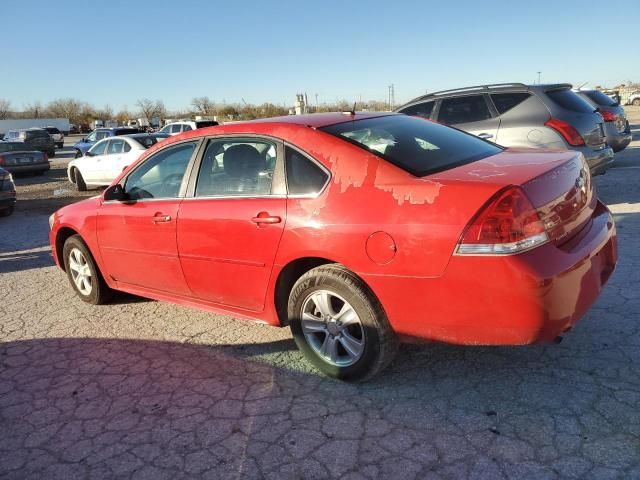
<point x="599" y="161"/>
<point x="615" y="139"/>
<point x="35" y="167"/>
<point x="7" y="200"/>
<point x="505" y="300"/>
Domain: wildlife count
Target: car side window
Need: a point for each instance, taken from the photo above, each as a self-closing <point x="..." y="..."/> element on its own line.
<point x="304" y="177"/>
<point x="506" y="101"/>
<point x="236" y="167"/>
<point x="99" y="148"/>
<point x="176" y="128"/>
<point x="115" y="146"/>
<point x="186" y="128"/>
<point x="472" y="108"/>
<point x="160" y="175"/>
<point x="101" y="135"/>
<point x="91" y="137"/>
<point x="423" y="110"/>
<point x="127" y="147"/>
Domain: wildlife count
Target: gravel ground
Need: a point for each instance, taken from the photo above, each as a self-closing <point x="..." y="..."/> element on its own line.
<point x="143" y="389"/>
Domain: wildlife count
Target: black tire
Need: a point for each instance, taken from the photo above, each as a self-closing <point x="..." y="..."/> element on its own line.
<point x="636" y="102"/>
<point x="52" y="153"/>
<point x="60" y="145"/>
<point x="78" y="154"/>
<point x="5" y="212"/>
<point x="380" y="342"/>
<point x="79" y="181"/>
<point x="100" y="293"/>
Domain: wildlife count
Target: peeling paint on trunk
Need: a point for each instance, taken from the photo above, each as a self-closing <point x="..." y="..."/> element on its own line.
<point x="417" y="191"/>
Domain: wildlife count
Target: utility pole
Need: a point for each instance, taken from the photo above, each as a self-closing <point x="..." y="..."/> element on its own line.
<point x="316" y="102"/>
<point x="539" y="77"/>
<point x="392" y="97"/>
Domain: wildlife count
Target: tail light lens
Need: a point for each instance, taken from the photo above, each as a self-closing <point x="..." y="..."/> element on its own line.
<point x="507" y="224"/>
<point x="46" y="157"/>
<point x="569" y="133"/>
<point x="2" y="160"/>
<point x="608" y="116"/>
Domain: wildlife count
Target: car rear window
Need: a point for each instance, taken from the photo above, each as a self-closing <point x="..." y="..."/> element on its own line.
<point x="146" y="142"/>
<point x="52" y="130"/>
<point x="125" y="131"/>
<point x="418" y="146"/>
<point x="11" y="147"/>
<point x="37" y="134"/>
<point x="601" y="99"/>
<point x="570" y="100"/>
<point x="506" y="101"/>
<point x="206" y="123"/>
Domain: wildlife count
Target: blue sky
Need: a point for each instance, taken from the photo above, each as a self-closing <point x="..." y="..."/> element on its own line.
<point x="115" y="52"/>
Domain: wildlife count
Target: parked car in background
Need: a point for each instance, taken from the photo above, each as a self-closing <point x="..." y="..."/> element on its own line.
<point x="7" y="193"/>
<point x="634" y="99"/>
<point x="57" y="135"/>
<point x="519" y="115"/>
<point x="98" y="134"/>
<point x="176" y="128"/>
<point x="355" y="230"/>
<point x="15" y="158"/>
<point x="73" y="129"/>
<point x="105" y="160"/>
<point x="616" y="126"/>
<point x="33" y="139"/>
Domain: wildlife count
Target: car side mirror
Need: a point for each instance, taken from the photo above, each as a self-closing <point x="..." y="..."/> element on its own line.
<point x="89" y="154"/>
<point x="115" y="193"/>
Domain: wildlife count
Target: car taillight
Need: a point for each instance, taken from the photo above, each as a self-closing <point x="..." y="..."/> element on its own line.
<point x="608" y="116"/>
<point x="2" y="160"/>
<point x="569" y="133"/>
<point x="507" y="224"/>
<point x="46" y="157"/>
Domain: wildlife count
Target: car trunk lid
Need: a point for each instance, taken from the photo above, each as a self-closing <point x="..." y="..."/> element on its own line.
<point x="557" y="183"/>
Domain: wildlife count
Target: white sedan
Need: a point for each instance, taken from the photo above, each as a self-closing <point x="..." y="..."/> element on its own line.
<point x="108" y="158"/>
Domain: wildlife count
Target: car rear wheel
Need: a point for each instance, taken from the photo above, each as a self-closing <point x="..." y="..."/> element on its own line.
<point x="339" y="325"/>
<point x="636" y="102"/>
<point x="60" y="145"/>
<point x="83" y="274"/>
<point x="5" y="212"/>
<point x="79" y="181"/>
<point x="52" y="153"/>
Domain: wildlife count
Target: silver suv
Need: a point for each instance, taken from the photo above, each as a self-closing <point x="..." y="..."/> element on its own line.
<point x="519" y="115"/>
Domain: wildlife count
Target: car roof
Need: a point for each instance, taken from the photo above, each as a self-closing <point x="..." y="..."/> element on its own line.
<point x="146" y="135"/>
<point x="319" y="120"/>
<point x="116" y="128"/>
<point x="489" y="88"/>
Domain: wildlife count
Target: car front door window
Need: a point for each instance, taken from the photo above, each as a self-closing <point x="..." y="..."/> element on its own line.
<point x="160" y="176"/>
<point x="98" y="149"/>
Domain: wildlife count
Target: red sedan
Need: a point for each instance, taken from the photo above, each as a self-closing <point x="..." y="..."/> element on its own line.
<point x="356" y="230"/>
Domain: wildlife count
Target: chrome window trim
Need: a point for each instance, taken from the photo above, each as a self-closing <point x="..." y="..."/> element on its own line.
<point x="311" y="159"/>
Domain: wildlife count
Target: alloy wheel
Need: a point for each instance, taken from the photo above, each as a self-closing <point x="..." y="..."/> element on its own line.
<point x="80" y="271"/>
<point x="332" y="328"/>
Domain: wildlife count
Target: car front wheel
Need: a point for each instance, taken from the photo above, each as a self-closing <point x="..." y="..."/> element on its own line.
<point x="79" y="181"/>
<point x="339" y="325"/>
<point x="83" y="274"/>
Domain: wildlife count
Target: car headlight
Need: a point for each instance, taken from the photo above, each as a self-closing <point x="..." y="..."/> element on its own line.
<point x="51" y="221"/>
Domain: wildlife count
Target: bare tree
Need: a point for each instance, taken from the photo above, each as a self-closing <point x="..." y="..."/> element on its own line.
<point x="34" y="110"/>
<point x="5" y="108"/>
<point x="149" y="108"/>
<point x="69" y="108"/>
<point x="204" y="106"/>
<point x="106" y="113"/>
<point x="123" y="116"/>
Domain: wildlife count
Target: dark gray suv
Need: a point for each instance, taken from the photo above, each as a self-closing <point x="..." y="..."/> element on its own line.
<point x="616" y="126"/>
<point x="519" y="115"/>
<point x="34" y="139"/>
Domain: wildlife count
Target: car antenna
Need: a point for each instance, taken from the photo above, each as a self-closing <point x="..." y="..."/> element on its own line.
<point x="580" y="87"/>
<point x="351" y="112"/>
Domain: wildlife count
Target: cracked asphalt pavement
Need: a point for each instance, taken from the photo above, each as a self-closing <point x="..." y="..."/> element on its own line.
<point x="147" y="390"/>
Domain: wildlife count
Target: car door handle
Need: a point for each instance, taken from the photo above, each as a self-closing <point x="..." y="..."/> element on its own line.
<point x="264" y="218"/>
<point x="159" y="218"/>
<point x="485" y="135"/>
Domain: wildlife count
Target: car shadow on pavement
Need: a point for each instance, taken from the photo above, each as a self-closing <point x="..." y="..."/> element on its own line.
<point x="79" y="407"/>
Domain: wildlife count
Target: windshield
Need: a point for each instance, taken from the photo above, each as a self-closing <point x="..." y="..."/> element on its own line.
<point x="11" y="147"/>
<point x="418" y="146"/>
